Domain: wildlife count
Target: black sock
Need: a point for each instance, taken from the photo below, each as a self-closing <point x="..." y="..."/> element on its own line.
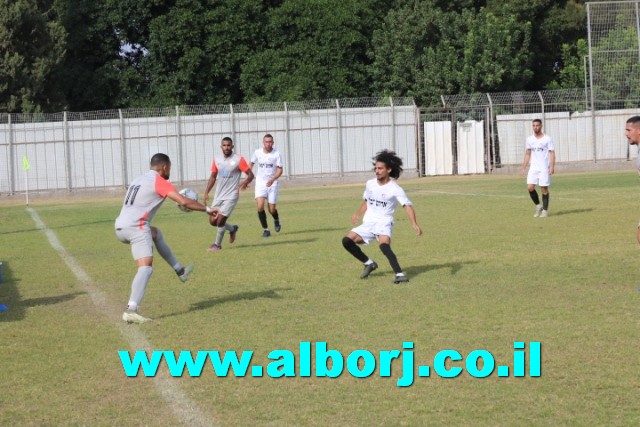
<point x="386" y="250"/>
<point x="545" y="201"/>
<point x="353" y="249"/>
<point x="534" y="196"/>
<point x="262" y="215"/>
<point x="274" y="214"/>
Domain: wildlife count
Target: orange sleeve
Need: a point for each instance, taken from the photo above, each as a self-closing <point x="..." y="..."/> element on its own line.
<point x="243" y="166"/>
<point x="214" y="166"/>
<point x="163" y="187"/>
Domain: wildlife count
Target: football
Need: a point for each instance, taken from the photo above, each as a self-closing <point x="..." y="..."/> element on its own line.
<point x="189" y="194"/>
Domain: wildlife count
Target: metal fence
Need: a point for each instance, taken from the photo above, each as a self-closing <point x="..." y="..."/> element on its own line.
<point x="613" y="30"/>
<point x="328" y="138"/>
<point x="496" y="125"/>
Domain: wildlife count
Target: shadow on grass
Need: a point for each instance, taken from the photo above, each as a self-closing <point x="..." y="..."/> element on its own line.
<point x="270" y="241"/>
<point x="572" y="211"/>
<point x="10" y="297"/>
<point x="454" y="267"/>
<point x="242" y="296"/>
<point x="318" y="230"/>
<point x="34" y="302"/>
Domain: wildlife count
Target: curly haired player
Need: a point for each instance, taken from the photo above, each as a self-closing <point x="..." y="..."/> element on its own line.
<point x="381" y="196"/>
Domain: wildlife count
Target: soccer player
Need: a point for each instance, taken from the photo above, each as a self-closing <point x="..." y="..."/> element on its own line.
<point x="269" y="163"/>
<point x="133" y="226"/>
<point x="541" y="152"/>
<point x="632" y="132"/>
<point x="381" y="196"/>
<point x="226" y="171"/>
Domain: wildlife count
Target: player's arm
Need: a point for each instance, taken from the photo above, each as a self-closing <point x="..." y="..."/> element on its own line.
<point x="210" y="184"/>
<point x="525" y="163"/>
<point x="190" y="203"/>
<point x="244" y="167"/>
<point x="552" y="162"/>
<point x="245" y="183"/>
<point x="275" y="177"/>
<point x="361" y="210"/>
<point x="411" y="213"/>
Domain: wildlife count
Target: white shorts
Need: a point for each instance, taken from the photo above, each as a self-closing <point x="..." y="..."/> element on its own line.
<point x="141" y="240"/>
<point x="269" y="193"/>
<point x="225" y="206"/>
<point x="541" y="178"/>
<point x="371" y="230"/>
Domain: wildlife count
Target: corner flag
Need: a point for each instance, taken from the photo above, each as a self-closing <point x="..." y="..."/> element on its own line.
<point x="25" y="163"/>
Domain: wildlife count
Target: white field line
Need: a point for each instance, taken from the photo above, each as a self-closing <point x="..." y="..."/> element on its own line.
<point x="185" y="410"/>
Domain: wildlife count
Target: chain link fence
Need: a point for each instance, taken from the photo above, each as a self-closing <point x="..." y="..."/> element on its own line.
<point x="325" y="139"/>
<point x="613" y="29"/>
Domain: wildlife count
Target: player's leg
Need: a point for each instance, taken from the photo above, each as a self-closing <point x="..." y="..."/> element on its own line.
<point x="167" y="254"/>
<point x="261" y="194"/>
<point x="545" y="182"/>
<point x="141" y="243"/>
<point x="272" y="200"/>
<point x="385" y="247"/>
<point x="220" y="224"/>
<point x="230" y="206"/>
<point x="532" y="180"/>
<point x="351" y="242"/>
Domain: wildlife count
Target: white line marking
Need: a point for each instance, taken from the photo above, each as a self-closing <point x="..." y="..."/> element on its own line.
<point x="185" y="410"/>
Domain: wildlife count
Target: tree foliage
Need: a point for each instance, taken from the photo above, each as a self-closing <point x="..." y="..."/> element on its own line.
<point x="86" y="55"/>
<point x="315" y="49"/>
<point x="32" y="45"/>
<point x="423" y="51"/>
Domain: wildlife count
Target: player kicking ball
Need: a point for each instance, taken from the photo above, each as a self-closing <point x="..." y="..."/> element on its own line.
<point x="381" y="196"/>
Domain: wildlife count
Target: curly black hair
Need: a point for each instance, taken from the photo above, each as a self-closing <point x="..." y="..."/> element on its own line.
<point x="391" y="160"/>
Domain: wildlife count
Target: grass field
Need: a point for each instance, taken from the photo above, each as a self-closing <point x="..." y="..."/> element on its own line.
<point x="485" y="274"/>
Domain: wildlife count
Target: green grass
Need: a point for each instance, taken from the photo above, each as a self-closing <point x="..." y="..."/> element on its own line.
<point x="485" y="274"/>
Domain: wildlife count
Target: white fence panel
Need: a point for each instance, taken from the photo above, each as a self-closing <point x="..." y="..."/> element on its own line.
<point x="470" y="147"/>
<point x="438" y="151"/>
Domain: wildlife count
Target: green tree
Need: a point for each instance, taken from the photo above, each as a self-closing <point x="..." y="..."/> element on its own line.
<point x="186" y="52"/>
<point x="315" y="49"/>
<point x="32" y="45"/>
<point x="89" y="75"/>
<point x="424" y="52"/>
<point x="571" y="68"/>
<point x="553" y="24"/>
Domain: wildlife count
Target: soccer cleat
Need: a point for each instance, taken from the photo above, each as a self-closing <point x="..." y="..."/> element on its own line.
<point x="232" y="234"/>
<point x="368" y="269"/>
<point x="277" y="224"/>
<point x="185" y="275"/>
<point x="538" y="211"/>
<point x="214" y="248"/>
<point x="266" y="233"/>
<point x="132" y="316"/>
<point x="401" y="279"/>
<point x="544" y="213"/>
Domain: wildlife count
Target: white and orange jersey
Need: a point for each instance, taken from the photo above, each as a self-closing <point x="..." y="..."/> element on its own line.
<point x="143" y="199"/>
<point x="267" y="163"/>
<point x="228" y="173"/>
<point x="540" y="148"/>
<point x="382" y="200"/>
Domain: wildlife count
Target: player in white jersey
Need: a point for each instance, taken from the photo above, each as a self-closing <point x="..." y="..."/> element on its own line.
<point x="381" y="196"/>
<point x="226" y="171"/>
<point x="540" y="151"/>
<point x="269" y="169"/>
<point x="133" y="226"/>
<point x="632" y="132"/>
